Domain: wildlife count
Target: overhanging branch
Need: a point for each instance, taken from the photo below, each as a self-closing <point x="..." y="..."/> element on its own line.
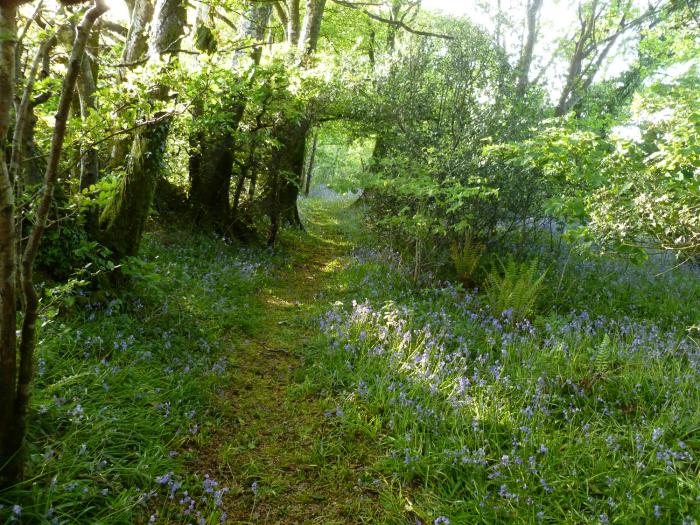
<point x="398" y="24"/>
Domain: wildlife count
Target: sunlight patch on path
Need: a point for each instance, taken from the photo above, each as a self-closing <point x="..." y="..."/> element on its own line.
<point x="274" y="446"/>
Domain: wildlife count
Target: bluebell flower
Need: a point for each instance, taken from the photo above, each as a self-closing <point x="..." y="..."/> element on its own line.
<point x="164" y="479"/>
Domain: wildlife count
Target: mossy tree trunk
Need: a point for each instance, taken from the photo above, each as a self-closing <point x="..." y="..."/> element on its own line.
<point x="135" y="52"/>
<point x="287" y="162"/>
<point x="8" y="255"/>
<point x="210" y="178"/>
<point x="286" y="171"/>
<point x="123" y="220"/>
<point x="310" y="164"/>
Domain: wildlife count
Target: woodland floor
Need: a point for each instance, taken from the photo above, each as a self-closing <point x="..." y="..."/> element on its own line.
<point x="233" y="385"/>
<point x="277" y="453"/>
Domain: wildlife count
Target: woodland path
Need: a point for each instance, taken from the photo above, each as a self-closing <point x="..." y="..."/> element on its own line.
<point x="276" y="450"/>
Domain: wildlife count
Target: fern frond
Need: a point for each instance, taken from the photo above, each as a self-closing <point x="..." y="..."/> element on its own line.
<point x="466" y="259"/>
<point x="513" y="290"/>
<point x="604" y="356"/>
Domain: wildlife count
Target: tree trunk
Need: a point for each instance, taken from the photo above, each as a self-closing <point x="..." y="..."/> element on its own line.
<point x="89" y="162"/>
<point x="287" y="162"/>
<point x="252" y="187"/>
<point x="286" y="168"/>
<point x="33" y="163"/>
<point x="591" y="49"/>
<point x="391" y="30"/>
<point x="211" y="161"/>
<point x="525" y="61"/>
<point x="8" y="255"/>
<point x="310" y="167"/>
<point x="308" y="39"/>
<point x="17" y="374"/>
<point x="135" y="51"/>
<point x="293" y="22"/>
<point x="87" y="86"/>
<point x="210" y="177"/>
<point x="25" y="122"/>
<point x="123" y="220"/>
<point x="245" y="170"/>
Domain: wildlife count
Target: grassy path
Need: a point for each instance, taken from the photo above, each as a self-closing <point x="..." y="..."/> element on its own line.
<point x="276" y="450"/>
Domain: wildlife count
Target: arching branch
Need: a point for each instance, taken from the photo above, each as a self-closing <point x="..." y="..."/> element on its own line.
<point x="398" y="24"/>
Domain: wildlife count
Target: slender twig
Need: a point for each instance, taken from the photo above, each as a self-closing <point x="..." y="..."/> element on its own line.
<point x="29" y="23"/>
<point x="29" y="293"/>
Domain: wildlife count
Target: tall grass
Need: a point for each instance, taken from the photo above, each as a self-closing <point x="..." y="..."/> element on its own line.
<point x="124" y="385"/>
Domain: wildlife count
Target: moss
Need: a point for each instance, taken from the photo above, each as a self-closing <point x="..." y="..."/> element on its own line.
<point x="123" y="219"/>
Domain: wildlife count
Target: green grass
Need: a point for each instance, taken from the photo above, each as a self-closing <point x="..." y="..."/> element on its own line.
<point x="319" y="384"/>
<point x="574" y="417"/>
<point x="124" y="387"/>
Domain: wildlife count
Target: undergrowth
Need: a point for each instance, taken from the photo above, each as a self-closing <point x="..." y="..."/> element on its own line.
<point x="123" y="389"/>
<point x="582" y="410"/>
<point x="569" y="415"/>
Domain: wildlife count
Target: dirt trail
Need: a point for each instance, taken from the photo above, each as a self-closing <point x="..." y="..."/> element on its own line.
<point x="275" y="449"/>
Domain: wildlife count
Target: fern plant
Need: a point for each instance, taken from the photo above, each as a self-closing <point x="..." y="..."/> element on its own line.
<point x="466" y="260"/>
<point x="513" y="289"/>
<point x="604" y="356"/>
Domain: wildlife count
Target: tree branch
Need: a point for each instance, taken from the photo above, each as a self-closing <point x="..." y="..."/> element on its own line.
<point x="113" y="27"/>
<point x="398" y="24"/>
<point x="25" y="104"/>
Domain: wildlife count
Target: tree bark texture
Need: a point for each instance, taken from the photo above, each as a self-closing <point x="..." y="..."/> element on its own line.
<point x="8" y="256"/>
<point x="123" y="220"/>
<point x="210" y="177"/>
<point x="287" y="162"/>
<point x="87" y="86"/>
<point x="308" y="39"/>
<point x="310" y="165"/>
<point x="293" y="22"/>
<point x="523" y="69"/>
<point x="135" y="52"/>
<point x="286" y="169"/>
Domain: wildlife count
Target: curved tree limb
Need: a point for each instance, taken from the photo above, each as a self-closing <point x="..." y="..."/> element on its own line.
<point x="398" y="24"/>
